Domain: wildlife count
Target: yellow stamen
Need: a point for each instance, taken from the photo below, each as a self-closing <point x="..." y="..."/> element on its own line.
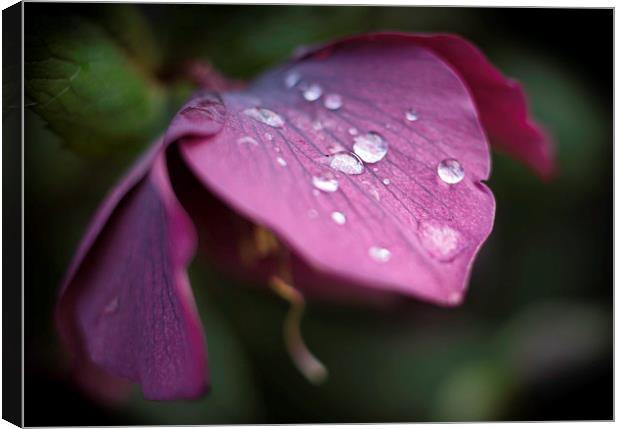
<point x="266" y="243"/>
<point x="305" y="361"/>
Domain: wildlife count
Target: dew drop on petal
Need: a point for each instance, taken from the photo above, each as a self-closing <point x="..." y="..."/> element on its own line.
<point x="411" y="115"/>
<point x="353" y="131"/>
<point x="440" y="241"/>
<point x="346" y="162"/>
<point x="292" y="79"/>
<point x="386" y="181"/>
<point x="332" y="101"/>
<point x="379" y="254"/>
<point x="112" y="306"/>
<point x="450" y="171"/>
<point x="281" y="161"/>
<point x="339" y="218"/>
<point x="268" y="136"/>
<point x="325" y="183"/>
<point x="312" y="92"/>
<point x="265" y="116"/>
<point x="248" y="140"/>
<point x="335" y="148"/>
<point x="371" y="147"/>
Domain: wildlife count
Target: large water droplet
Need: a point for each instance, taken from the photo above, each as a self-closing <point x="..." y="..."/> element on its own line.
<point x="112" y="306"/>
<point x="313" y="92"/>
<point x="441" y="241"/>
<point x="281" y="161"/>
<point x="411" y="115"/>
<point x="450" y="171"/>
<point x="370" y="147"/>
<point x="379" y="254"/>
<point x="346" y="162"/>
<point x="292" y="79"/>
<point x="266" y="116"/>
<point x="325" y="183"/>
<point x="339" y="218"/>
<point x="248" y="140"/>
<point x="332" y="101"/>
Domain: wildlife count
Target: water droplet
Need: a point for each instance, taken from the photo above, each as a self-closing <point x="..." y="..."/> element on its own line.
<point x="332" y="101"/>
<point x="247" y="139"/>
<point x="386" y="181"/>
<point x="353" y="131"/>
<point x="370" y="147"/>
<point x="266" y="116"/>
<point x="281" y="161"/>
<point x="112" y="306"/>
<point x="277" y="148"/>
<point x="450" y="171"/>
<point x="312" y="214"/>
<point x="441" y="241"/>
<point x="325" y="183"/>
<point x="292" y="79"/>
<point x="339" y="218"/>
<point x="379" y="254"/>
<point x="268" y="136"/>
<point x="346" y="162"/>
<point x="313" y="92"/>
<point x="411" y="115"/>
<point x="317" y="126"/>
<point x="335" y="148"/>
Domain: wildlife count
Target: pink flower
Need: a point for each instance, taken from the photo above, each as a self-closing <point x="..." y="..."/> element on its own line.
<point x="365" y="158"/>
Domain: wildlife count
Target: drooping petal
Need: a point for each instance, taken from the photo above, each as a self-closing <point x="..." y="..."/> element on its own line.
<point x="501" y="102"/>
<point x="126" y="305"/>
<point x="410" y="219"/>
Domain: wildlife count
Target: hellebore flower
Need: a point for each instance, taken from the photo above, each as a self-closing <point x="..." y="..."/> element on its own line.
<point x="359" y="168"/>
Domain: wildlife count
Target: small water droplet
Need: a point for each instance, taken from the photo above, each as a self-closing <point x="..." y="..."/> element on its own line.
<point x="292" y="79"/>
<point x="353" y="131"/>
<point x="370" y="147"/>
<point x="277" y="148"/>
<point x="312" y="213"/>
<point x="317" y="126"/>
<point x="335" y="148"/>
<point x="247" y="139"/>
<point x="313" y="92"/>
<point x="281" y="161"/>
<point x="379" y="254"/>
<point x="332" y="101"/>
<point x="411" y="115"/>
<point x="266" y="116"/>
<point x="325" y="183"/>
<point x="268" y="136"/>
<point x="441" y="241"/>
<point x="339" y="218"/>
<point x="450" y="171"/>
<point x="112" y="306"/>
<point x="386" y="181"/>
<point x="346" y="162"/>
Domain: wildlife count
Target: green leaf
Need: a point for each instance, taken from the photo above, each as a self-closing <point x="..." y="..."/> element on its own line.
<point x="86" y="80"/>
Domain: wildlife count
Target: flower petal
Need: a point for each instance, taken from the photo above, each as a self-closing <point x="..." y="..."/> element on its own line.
<point x="501" y="102"/>
<point x="128" y="308"/>
<point x="393" y="224"/>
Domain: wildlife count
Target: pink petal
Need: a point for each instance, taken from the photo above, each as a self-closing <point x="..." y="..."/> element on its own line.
<point x="501" y="103"/>
<point x="126" y="305"/>
<point x="415" y="235"/>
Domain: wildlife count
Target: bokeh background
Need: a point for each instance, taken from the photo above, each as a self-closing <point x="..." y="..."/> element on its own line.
<point x="533" y="340"/>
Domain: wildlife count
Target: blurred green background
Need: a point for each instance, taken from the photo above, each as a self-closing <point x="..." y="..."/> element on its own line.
<point x="533" y="339"/>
